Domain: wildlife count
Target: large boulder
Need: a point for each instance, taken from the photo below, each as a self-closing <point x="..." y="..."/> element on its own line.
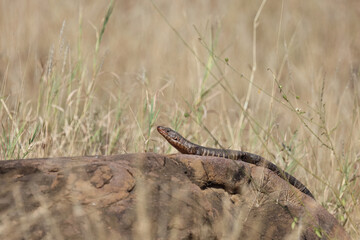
<point x="153" y="196"/>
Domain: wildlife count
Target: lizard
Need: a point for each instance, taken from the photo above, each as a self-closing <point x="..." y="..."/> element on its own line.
<point x="186" y="147"/>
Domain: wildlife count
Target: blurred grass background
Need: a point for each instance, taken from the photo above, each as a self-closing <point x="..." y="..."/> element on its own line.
<point x="97" y="77"/>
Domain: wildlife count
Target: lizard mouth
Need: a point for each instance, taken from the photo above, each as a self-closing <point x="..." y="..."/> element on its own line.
<point x="161" y="130"/>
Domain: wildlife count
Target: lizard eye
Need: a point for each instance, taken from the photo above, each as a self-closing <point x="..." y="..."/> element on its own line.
<point x="167" y="131"/>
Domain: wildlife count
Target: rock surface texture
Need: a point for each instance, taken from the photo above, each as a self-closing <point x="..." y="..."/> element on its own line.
<point x="152" y="196"/>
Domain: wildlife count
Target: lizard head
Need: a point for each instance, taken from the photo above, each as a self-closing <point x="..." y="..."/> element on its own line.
<point x="172" y="137"/>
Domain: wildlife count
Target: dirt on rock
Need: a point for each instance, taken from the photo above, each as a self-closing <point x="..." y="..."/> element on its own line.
<point x="153" y="196"/>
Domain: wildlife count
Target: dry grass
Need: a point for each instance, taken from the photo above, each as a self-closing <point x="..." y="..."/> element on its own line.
<point x="69" y="88"/>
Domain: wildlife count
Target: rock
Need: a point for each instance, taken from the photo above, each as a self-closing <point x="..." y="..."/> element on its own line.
<point x="152" y="196"/>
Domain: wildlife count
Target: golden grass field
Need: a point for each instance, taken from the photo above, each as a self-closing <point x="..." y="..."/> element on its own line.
<point x="79" y="79"/>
